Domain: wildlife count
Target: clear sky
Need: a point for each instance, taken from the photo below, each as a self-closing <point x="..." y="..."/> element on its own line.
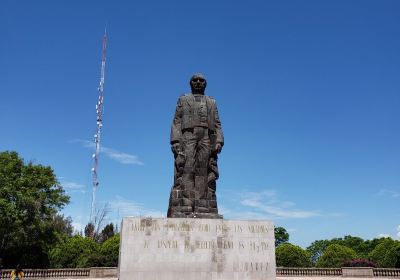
<point x="308" y="94"/>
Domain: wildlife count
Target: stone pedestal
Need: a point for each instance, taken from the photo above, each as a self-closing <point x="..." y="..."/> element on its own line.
<point x="196" y="249"/>
<point x="362" y="272"/>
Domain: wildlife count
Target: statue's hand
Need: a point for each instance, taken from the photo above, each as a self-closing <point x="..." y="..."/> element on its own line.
<point x="218" y="148"/>
<point x="175" y="148"/>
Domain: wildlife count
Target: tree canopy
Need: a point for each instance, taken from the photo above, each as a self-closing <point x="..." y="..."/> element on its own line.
<point x="281" y="236"/>
<point x="80" y="251"/>
<point x="289" y="255"/>
<point x="335" y="255"/>
<point x="110" y="249"/>
<point x="75" y="252"/>
<point x="360" y="246"/>
<point x="387" y="253"/>
<point x="30" y="198"/>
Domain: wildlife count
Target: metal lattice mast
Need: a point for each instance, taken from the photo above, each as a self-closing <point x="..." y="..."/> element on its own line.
<point x="99" y="122"/>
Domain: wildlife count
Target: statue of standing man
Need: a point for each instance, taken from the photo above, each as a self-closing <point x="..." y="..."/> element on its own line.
<point x="196" y="141"/>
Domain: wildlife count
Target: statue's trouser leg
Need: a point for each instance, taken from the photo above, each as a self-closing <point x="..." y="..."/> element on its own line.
<point x="197" y="149"/>
<point x="188" y="176"/>
<point x="201" y="174"/>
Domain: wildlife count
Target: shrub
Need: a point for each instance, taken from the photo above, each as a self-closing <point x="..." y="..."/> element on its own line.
<point x="75" y="252"/>
<point x="359" y="263"/>
<point x="335" y="255"/>
<point x="110" y="250"/>
<point x="289" y="255"/>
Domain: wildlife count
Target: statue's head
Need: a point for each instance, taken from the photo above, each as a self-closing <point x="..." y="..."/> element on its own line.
<point x="198" y="84"/>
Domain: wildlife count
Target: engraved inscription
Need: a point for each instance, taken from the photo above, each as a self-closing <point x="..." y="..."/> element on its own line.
<point x="184" y="226"/>
<point x="258" y="229"/>
<point x="142" y="227"/>
<point x="238" y="228"/>
<point x="258" y="246"/>
<point x="204" y="228"/>
<point x="222" y="228"/>
<point x="244" y="248"/>
<point x="167" y="244"/>
<point x="254" y="266"/>
<point x="223" y="244"/>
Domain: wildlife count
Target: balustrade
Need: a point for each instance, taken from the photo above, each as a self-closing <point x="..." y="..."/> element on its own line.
<point x="280" y="271"/>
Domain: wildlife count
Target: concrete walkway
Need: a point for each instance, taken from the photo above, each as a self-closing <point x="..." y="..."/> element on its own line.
<point x="330" y="278"/>
<point x="277" y="278"/>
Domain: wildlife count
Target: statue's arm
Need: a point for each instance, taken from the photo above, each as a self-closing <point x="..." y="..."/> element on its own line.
<point x="218" y="128"/>
<point x="176" y="131"/>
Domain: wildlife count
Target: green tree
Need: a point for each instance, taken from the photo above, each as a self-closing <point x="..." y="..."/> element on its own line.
<point x="30" y="197"/>
<point x="289" y="255"/>
<point x="369" y="246"/>
<point x="110" y="249"/>
<point x="107" y="232"/>
<point x="92" y="229"/>
<point x="317" y="248"/>
<point x="63" y="225"/>
<point x="77" y="251"/>
<point x="360" y="246"/>
<point x="335" y="255"/>
<point x="386" y="253"/>
<point x="89" y="230"/>
<point x="353" y="242"/>
<point x="281" y="236"/>
<point x="107" y="255"/>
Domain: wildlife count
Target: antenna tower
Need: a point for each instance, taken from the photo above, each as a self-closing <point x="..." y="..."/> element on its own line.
<point x="99" y="123"/>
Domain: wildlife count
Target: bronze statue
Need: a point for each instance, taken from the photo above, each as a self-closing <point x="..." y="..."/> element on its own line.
<point x="196" y="141"/>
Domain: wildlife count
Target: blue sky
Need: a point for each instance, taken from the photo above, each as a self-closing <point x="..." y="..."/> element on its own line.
<point x="308" y="94"/>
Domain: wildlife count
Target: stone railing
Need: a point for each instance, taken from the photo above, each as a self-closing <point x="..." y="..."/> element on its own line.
<point x="363" y="272"/>
<point x="50" y="273"/>
<point x="112" y="272"/>
<point x="297" y="271"/>
<point x="386" y="272"/>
